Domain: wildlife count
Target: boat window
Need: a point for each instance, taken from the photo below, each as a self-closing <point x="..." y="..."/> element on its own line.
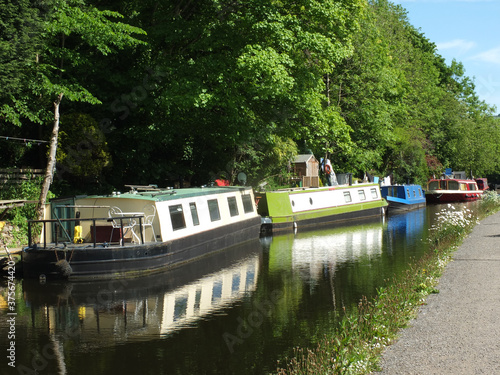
<point x="453" y="185"/>
<point x="213" y="208"/>
<point x="464" y="187"/>
<point x="250" y="277"/>
<point x="247" y="203"/>
<point x="347" y="196"/>
<point x="233" y="206"/>
<point x="362" y="196"/>
<point x="216" y="291"/>
<point x="180" y="307"/>
<point x="414" y="194"/>
<point x="472" y="186"/>
<point x="177" y="217"/>
<point x="434" y="185"/>
<point x="419" y="192"/>
<point x="235" y="285"/>
<point x="197" y="300"/>
<point x="442" y="184"/>
<point x="374" y="193"/>
<point x="194" y="213"/>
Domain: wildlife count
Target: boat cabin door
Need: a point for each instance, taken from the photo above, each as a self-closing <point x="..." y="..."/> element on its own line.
<point x="62" y="231"/>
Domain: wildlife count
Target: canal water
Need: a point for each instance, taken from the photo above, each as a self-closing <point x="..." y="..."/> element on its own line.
<point x="237" y="312"/>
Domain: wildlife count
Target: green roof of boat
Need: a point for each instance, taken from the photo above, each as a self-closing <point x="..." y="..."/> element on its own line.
<point x="161" y="195"/>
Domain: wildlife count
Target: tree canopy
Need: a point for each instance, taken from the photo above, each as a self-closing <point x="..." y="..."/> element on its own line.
<point x="180" y="91"/>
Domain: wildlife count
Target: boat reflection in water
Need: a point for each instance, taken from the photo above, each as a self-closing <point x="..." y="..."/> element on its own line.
<point x="406" y="230"/>
<point x="331" y="247"/>
<point x="330" y="257"/>
<point x="148" y="307"/>
<point x="312" y="251"/>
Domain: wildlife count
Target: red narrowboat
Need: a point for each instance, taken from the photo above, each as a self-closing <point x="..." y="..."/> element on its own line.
<point x="449" y="190"/>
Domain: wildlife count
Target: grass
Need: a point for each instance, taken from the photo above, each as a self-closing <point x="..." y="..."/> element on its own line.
<point x="357" y="345"/>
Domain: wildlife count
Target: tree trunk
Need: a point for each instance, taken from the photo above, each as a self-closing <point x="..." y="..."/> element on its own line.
<point x="51" y="162"/>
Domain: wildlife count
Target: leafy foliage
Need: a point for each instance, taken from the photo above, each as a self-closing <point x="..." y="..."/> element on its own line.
<point x="28" y="190"/>
<point x="82" y="151"/>
<point x="225" y="87"/>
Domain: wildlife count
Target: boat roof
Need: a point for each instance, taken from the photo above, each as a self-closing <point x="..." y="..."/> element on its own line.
<point x="402" y="186"/>
<point x="299" y="190"/>
<point x="465" y="180"/>
<point x="160" y="195"/>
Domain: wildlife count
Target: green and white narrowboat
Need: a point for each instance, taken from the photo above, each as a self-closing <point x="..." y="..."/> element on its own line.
<point x="301" y="208"/>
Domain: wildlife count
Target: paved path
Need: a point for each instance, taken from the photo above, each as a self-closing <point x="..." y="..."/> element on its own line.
<point x="458" y="330"/>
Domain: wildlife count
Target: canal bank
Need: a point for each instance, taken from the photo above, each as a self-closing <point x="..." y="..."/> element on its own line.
<point x="457" y="331"/>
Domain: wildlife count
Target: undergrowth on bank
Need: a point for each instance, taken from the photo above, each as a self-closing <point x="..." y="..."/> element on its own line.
<point x="364" y="332"/>
<point x="17" y="218"/>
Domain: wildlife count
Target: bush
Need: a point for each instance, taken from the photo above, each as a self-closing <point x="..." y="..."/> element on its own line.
<point x="490" y="203"/>
<point x="18" y="217"/>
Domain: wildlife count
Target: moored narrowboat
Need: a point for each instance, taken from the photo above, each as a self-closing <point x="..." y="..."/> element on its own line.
<point x="448" y="190"/>
<point x="482" y="183"/>
<point x="403" y="197"/>
<point x="143" y="231"/>
<point x="300" y="208"/>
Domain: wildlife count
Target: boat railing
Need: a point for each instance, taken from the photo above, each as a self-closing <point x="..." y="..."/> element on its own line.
<point x="58" y="223"/>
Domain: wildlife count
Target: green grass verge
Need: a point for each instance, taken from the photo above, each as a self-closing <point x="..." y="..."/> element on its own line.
<point x="364" y="332"/>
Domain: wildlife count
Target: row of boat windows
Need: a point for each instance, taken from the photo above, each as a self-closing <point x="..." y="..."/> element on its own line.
<point x="393" y="192"/>
<point x="452" y="185"/>
<point x="414" y="193"/>
<point x="361" y="194"/>
<point x="348" y="198"/>
<point x="178" y="219"/>
<point x="183" y="301"/>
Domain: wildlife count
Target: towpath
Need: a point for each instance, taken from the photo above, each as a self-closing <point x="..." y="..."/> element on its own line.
<point x="458" y="330"/>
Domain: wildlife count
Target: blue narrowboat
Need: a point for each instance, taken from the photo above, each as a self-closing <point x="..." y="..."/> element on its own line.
<point x="403" y="197"/>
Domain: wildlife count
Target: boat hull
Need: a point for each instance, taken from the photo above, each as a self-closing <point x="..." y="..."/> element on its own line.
<point x="451" y="197"/>
<point x="81" y="292"/>
<point x="316" y="222"/>
<point x="77" y="262"/>
<point x="397" y="207"/>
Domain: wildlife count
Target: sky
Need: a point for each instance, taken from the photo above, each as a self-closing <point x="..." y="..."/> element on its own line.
<point x="467" y="31"/>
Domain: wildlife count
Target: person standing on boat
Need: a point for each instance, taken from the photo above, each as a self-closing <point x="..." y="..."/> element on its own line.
<point x="328" y="171"/>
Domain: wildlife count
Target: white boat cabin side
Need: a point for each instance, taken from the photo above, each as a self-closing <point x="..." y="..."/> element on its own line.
<point x="452" y="184"/>
<point x="170" y="215"/>
<point x="315" y="199"/>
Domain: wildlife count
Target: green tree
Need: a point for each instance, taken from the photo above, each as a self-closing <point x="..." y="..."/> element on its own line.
<point x="238" y="77"/>
<point x="70" y="32"/>
<point x="369" y="87"/>
<point x="19" y="43"/>
<point x="82" y="152"/>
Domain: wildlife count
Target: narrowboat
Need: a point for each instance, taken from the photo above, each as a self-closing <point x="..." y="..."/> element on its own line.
<point x="403" y="197"/>
<point x="448" y="190"/>
<point x="139" y="232"/>
<point x="299" y="208"/>
<point x="482" y="183"/>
